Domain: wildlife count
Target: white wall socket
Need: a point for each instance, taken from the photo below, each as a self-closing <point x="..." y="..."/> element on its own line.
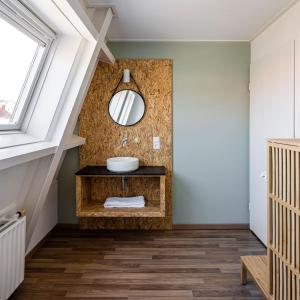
<point x="156" y="143"/>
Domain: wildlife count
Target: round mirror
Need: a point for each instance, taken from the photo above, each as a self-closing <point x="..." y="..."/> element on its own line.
<point x="126" y="107"/>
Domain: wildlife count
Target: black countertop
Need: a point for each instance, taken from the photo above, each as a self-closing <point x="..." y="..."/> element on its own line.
<point x="102" y="171"/>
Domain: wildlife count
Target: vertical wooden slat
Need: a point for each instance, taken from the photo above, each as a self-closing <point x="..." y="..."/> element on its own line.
<point x="297" y="246"/>
<point x="284" y="198"/>
<point x="297" y="185"/>
<point x="270" y="214"/>
<point x="288" y="179"/>
<point x="278" y="272"/>
<point x="79" y="192"/>
<point x="274" y="274"/>
<point x="293" y="233"/>
<point x="297" y="201"/>
<point x="293" y="287"/>
<point x="276" y="225"/>
<point x="162" y="194"/>
<point x="290" y="188"/>
<point x="280" y="174"/>
<point x="293" y="244"/>
<point x="281" y="281"/>
<point x="277" y="278"/>
<point x="288" y="240"/>
<point x="280" y="235"/>
<point x="292" y="177"/>
<point x="298" y="288"/>
<point x="284" y="175"/>
<point x="288" y="284"/>
<point x="284" y="229"/>
<point x="277" y="172"/>
<point x="272" y="169"/>
<point x="284" y="287"/>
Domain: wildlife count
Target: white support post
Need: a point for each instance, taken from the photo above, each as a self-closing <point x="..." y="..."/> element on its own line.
<point x="70" y="121"/>
<point x="105" y="55"/>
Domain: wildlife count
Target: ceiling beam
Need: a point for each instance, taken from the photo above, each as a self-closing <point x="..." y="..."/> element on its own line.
<point x="95" y="4"/>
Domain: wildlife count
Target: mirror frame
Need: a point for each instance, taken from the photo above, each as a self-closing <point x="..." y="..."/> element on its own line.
<point x="132" y="91"/>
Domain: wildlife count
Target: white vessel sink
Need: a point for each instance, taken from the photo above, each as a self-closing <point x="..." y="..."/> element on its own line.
<point x="122" y="164"/>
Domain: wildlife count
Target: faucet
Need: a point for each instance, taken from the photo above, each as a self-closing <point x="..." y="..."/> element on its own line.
<point x="124" y="141"/>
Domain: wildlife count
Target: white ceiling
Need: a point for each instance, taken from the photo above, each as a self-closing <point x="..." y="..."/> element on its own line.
<point x="191" y="19"/>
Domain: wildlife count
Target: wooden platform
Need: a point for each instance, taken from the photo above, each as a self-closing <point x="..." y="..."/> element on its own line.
<point x="257" y="266"/>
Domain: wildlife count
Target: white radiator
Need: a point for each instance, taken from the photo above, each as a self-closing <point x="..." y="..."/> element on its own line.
<point x="12" y="256"/>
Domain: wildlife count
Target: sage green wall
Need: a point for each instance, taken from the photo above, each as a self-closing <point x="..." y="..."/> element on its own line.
<point x="210" y="130"/>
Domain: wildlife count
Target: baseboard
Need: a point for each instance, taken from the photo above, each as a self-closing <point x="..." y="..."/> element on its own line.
<point x="258" y="239"/>
<point x="67" y="226"/>
<point x="211" y="226"/>
<point x="179" y="226"/>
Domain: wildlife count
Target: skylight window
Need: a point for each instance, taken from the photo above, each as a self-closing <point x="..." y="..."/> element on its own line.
<point x="24" y="47"/>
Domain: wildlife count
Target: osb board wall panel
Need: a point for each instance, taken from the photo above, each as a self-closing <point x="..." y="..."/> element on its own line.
<point x="127" y="223"/>
<point x="103" y="136"/>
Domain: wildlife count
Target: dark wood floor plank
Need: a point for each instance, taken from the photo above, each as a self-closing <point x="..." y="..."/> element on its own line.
<point x="133" y="265"/>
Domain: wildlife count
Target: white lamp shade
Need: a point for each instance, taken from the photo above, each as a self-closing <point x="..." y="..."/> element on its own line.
<point x="126" y="75"/>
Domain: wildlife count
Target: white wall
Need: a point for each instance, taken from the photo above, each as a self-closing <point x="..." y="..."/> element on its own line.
<point x="20" y="187"/>
<point x="47" y="219"/>
<point x="20" y="184"/>
<point x="274" y="103"/>
<point x="284" y="29"/>
<point x="10" y="186"/>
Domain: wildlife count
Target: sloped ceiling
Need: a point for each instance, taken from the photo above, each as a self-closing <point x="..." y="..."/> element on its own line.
<point x="190" y="19"/>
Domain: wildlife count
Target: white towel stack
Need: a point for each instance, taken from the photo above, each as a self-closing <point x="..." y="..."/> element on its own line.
<point x="128" y="202"/>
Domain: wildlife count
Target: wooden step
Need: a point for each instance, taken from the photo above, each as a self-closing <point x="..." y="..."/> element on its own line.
<point x="257" y="266"/>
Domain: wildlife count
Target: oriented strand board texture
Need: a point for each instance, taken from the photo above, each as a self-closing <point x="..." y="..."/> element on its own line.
<point x="103" y="136"/>
<point x="92" y="192"/>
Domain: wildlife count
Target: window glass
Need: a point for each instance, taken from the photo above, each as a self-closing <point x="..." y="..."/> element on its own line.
<point x="25" y="43"/>
<point x="17" y="55"/>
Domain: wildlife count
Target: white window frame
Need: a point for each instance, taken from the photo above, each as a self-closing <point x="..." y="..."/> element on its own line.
<point x="18" y="15"/>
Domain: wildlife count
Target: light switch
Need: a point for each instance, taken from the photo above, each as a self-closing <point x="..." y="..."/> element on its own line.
<point x="156" y="143"/>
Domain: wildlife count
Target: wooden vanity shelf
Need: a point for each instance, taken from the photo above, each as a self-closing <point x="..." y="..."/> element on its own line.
<point x="95" y="183"/>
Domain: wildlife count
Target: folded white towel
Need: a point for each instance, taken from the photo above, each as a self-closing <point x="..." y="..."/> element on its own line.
<point x="138" y="201"/>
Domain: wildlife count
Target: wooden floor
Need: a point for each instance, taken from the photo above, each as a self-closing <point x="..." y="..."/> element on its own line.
<point x="180" y="264"/>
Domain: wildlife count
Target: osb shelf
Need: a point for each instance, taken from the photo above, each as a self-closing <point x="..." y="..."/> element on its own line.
<point x="97" y="210"/>
<point x="95" y="183"/>
<point x="257" y="266"/>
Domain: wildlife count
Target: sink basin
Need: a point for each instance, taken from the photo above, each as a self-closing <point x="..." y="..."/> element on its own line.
<point x="122" y="164"/>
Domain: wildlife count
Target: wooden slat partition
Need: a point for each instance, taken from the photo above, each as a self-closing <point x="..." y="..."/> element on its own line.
<point x="284" y="219"/>
<point x="281" y="278"/>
